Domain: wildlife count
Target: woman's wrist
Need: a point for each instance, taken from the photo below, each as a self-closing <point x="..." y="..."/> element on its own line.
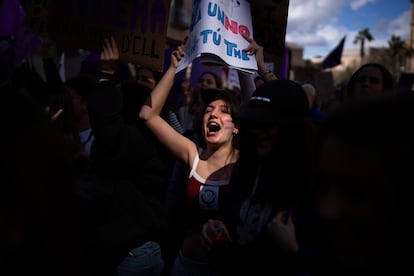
<point x="262" y="69"/>
<point x="264" y="73"/>
<point x="268" y="75"/>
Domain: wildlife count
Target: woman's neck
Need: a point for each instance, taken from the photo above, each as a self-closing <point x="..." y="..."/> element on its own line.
<point x="218" y="164"/>
<point x="222" y="155"/>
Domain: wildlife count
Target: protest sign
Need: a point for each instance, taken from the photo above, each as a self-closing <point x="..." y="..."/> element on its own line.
<point x="216" y="35"/>
<point x="139" y="26"/>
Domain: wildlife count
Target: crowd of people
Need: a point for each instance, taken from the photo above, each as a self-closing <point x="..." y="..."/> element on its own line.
<point x="108" y="177"/>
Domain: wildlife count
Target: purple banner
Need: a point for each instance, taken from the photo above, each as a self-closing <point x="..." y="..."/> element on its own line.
<point x="11" y="17"/>
<point x="22" y="41"/>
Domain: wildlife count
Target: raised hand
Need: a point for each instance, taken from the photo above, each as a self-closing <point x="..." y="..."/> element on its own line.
<point x="177" y="55"/>
<point x="255" y="49"/>
<point x="109" y="56"/>
<point x="54" y="116"/>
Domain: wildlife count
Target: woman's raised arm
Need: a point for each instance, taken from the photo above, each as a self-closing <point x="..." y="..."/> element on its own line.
<point x="182" y="147"/>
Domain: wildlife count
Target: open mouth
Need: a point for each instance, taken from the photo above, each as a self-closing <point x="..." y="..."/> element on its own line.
<point x="213" y="127"/>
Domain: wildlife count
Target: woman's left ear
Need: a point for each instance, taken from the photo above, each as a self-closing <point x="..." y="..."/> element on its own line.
<point x="236" y="129"/>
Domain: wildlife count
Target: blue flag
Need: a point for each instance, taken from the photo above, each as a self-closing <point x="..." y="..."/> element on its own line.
<point x="334" y="57"/>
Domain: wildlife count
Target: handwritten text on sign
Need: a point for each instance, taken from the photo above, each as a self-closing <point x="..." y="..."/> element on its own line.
<point x="139" y="26"/>
<point x="217" y="27"/>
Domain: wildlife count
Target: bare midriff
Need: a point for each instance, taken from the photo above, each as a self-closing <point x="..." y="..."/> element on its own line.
<point x="191" y="247"/>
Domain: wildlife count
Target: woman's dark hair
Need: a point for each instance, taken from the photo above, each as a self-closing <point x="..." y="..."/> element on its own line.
<point x="387" y="78"/>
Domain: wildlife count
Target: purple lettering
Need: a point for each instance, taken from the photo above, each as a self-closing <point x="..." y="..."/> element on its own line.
<point x="120" y="14"/>
<point x="82" y="9"/>
<point x="158" y="17"/>
<point x="139" y="11"/>
<point x="94" y="6"/>
<point x="125" y="44"/>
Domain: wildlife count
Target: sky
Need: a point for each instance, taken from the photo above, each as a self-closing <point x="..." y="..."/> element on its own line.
<point x="319" y="25"/>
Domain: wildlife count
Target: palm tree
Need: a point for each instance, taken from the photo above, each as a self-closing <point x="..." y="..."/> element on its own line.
<point x="400" y="53"/>
<point x="363" y="35"/>
<point x="397" y="52"/>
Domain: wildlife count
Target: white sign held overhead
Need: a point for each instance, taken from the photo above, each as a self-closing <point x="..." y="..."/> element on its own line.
<point x="216" y="35"/>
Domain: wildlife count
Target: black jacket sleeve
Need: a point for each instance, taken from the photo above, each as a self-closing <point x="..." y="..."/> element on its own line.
<point x="51" y="71"/>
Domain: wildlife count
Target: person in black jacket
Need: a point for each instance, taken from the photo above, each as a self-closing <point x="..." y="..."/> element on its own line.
<point x="123" y="206"/>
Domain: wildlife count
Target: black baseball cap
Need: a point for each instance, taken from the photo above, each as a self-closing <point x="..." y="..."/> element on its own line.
<point x="274" y="101"/>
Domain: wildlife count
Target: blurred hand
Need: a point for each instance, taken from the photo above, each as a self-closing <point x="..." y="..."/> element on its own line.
<point x="177" y="55"/>
<point x="109" y="56"/>
<point x="254" y="49"/>
<point x="283" y="233"/>
<point x="54" y="116"/>
<point x="257" y="50"/>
